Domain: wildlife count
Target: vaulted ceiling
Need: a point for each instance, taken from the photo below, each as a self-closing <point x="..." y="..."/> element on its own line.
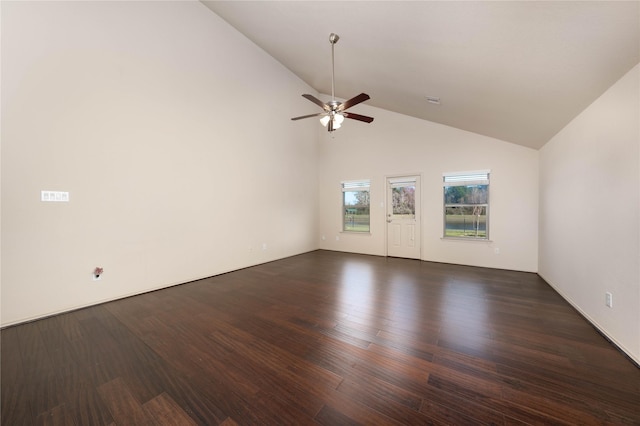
<point x="513" y="70"/>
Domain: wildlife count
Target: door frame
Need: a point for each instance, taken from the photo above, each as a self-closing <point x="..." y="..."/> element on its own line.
<point x="386" y="209"/>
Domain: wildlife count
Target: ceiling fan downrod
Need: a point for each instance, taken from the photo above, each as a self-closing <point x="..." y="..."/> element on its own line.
<point x="333" y="39"/>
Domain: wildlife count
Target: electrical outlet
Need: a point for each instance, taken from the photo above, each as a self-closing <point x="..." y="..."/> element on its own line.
<point x="609" y="299"/>
<point x="97" y="273"/>
<point x="264" y="246"/>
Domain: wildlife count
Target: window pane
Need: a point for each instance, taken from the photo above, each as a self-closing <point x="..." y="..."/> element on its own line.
<point x="404" y="200"/>
<point x="466" y="221"/>
<point x="472" y="194"/>
<point x="356" y="211"/>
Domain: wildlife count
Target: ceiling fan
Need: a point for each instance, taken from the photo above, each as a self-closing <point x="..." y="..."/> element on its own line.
<point x="334" y="112"/>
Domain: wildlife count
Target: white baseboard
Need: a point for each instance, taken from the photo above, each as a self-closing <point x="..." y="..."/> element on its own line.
<point x="621" y="347"/>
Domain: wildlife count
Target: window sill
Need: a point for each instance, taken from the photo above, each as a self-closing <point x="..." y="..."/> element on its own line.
<point x="356" y="233"/>
<point x="475" y="240"/>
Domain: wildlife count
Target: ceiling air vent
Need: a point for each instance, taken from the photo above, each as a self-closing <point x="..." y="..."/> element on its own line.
<point x="433" y="100"/>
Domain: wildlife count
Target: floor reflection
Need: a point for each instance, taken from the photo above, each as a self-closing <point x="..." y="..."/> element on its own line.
<point x="357" y="287"/>
<point x="464" y="314"/>
<point x="453" y="312"/>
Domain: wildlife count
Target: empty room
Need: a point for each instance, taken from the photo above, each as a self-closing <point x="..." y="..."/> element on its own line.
<point x="320" y="212"/>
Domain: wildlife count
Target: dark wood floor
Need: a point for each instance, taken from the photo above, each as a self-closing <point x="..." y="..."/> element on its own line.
<point x="323" y="338"/>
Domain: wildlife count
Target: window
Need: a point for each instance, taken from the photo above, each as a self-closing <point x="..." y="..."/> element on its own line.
<point x="403" y="198"/>
<point x="355" y="206"/>
<point x="466" y="205"/>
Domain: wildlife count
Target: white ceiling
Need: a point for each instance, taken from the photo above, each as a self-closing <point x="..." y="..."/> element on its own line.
<point x="513" y="70"/>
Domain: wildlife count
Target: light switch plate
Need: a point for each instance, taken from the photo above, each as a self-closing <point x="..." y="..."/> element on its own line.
<point x="54" y="196"/>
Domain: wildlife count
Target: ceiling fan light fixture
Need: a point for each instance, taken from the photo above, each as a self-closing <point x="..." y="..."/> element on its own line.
<point x="337" y="119"/>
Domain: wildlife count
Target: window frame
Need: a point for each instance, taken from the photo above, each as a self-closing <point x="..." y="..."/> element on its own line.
<point x="360" y="185"/>
<point x="478" y="177"/>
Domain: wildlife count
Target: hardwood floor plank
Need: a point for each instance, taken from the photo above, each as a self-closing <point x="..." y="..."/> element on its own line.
<point x="299" y="391"/>
<point x="15" y="406"/>
<point x="273" y="357"/>
<point x="87" y="406"/>
<point x="334" y="356"/>
<point x="332" y="417"/>
<point x="43" y="392"/>
<point x="459" y="384"/>
<point x="202" y="396"/>
<point x="203" y="384"/>
<point x="56" y="342"/>
<point x="406" y="345"/>
<point x="386" y="399"/>
<point x="165" y="411"/>
<point x="278" y="409"/>
<point x="582" y="392"/>
<point x="444" y="414"/>
<point x="563" y="408"/>
<point x="382" y="390"/>
<point x="203" y="399"/>
<point x="450" y="408"/>
<point x="57" y="416"/>
<point x="124" y="407"/>
<point x="342" y="410"/>
<point x="33" y="351"/>
<point x="322" y="338"/>
<point x="99" y="350"/>
<point x="294" y="341"/>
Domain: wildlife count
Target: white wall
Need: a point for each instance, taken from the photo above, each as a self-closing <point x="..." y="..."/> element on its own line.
<point x="160" y="120"/>
<point x="590" y="209"/>
<point x="397" y="144"/>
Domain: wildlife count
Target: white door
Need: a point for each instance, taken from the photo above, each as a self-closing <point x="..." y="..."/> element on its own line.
<point x="403" y="217"/>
